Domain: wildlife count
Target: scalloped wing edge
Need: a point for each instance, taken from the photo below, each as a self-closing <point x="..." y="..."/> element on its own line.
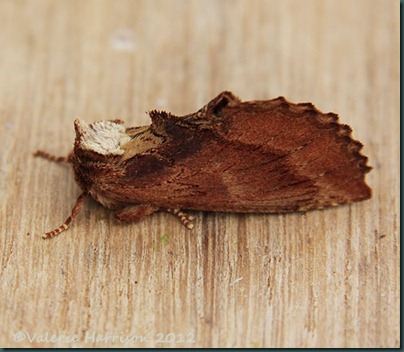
<point x="162" y="119"/>
<point x="344" y="131"/>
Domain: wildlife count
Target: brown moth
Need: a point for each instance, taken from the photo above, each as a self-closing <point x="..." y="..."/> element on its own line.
<point x="268" y="156"/>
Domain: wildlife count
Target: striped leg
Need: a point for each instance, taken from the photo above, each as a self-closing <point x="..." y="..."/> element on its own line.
<point x="185" y="218"/>
<point x="51" y="157"/>
<point x="73" y="215"/>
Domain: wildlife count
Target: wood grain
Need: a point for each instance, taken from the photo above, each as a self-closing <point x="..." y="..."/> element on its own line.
<point x="321" y="279"/>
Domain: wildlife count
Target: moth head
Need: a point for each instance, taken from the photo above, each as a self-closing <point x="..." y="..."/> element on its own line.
<point x="102" y="137"/>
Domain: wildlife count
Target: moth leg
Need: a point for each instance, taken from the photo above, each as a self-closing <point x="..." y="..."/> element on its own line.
<point x="51" y="157"/>
<point x="184" y="218"/>
<point x="135" y="212"/>
<point x="73" y="215"/>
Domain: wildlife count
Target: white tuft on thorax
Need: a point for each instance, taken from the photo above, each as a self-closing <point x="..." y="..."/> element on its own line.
<point x="103" y="137"/>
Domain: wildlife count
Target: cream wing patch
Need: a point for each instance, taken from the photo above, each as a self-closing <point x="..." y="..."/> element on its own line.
<point x="103" y="137"/>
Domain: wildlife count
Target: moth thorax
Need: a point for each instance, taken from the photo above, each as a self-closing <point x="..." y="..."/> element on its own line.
<point x="103" y="137"/>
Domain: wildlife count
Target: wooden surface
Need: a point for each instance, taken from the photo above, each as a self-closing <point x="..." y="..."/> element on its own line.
<point x="321" y="279"/>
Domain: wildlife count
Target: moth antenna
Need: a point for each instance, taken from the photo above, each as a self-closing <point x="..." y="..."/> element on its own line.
<point x="184" y="218"/>
<point x="73" y="215"/>
<point x="51" y="157"/>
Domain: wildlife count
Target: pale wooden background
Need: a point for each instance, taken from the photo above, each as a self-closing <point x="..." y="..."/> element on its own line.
<point x="324" y="279"/>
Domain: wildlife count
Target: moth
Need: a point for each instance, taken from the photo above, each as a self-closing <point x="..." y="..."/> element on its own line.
<point x="270" y="156"/>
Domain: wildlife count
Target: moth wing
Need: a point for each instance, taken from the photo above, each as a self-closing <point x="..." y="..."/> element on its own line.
<point x="320" y="162"/>
<point x="260" y="156"/>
